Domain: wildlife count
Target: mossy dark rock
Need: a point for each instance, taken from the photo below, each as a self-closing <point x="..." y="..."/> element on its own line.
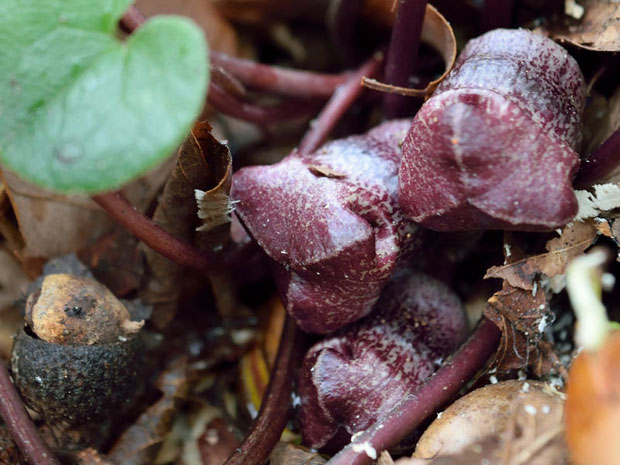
<point x="77" y="384"/>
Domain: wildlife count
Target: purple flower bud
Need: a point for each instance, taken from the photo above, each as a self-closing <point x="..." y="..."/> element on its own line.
<point x="494" y="147"/>
<point x="350" y="379"/>
<point x="330" y="222"/>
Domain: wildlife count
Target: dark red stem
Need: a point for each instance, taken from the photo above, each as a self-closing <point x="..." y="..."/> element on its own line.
<point x="274" y="79"/>
<point x="20" y="425"/>
<point x="226" y="103"/>
<point x="403" y="56"/>
<point x="157" y="238"/>
<point x="274" y="410"/>
<point x="337" y="105"/>
<point x="496" y="14"/>
<point x="601" y="162"/>
<point x="436" y="391"/>
<point x="278" y="80"/>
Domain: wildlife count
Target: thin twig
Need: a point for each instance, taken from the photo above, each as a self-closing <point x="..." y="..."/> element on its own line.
<point x="276" y="405"/>
<point x="275" y="79"/>
<point x="601" y="162"/>
<point x="20" y="425"/>
<point x="403" y="55"/>
<point x="228" y="104"/>
<point x="337" y="105"/>
<point x="278" y="80"/>
<point x="388" y="431"/>
<point x="157" y="238"/>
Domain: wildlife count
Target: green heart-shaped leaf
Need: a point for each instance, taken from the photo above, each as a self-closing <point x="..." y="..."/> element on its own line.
<point x="81" y="111"/>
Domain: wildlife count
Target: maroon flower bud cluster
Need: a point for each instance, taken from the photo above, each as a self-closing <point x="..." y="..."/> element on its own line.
<point x="331" y="224"/>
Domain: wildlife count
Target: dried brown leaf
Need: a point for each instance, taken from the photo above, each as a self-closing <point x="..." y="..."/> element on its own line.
<point x="202" y="162"/>
<point x="437" y="33"/>
<point x="139" y="444"/>
<point x="522" y="316"/>
<point x="574" y="240"/>
<point x="289" y="454"/>
<point x="603" y="227"/>
<point x="52" y="224"/>
<point x="598" y="29"/>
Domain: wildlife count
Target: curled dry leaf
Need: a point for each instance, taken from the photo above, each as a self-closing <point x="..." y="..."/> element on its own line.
<point x="214" y="205"/>
<point x="574" y="240"/>
<point x="593" y="405"/>
<point x="522" y="316"/>
<point x="491" y="411"/>
<point x="598" y="29"/>
<point x="202" y="162"/>
<point x="494" y="147"/>
<point x="437" y="33"/>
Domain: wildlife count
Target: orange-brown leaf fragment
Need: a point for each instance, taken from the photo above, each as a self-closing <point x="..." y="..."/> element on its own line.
<point x="574" y="240"/>
<point x="522" y="316"/>
<point x="436" y="32"/>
